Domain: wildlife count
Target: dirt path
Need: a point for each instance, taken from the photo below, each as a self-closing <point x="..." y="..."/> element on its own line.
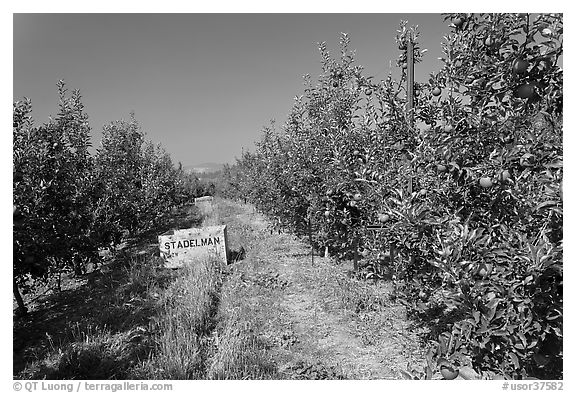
<point x="326" y="325"/>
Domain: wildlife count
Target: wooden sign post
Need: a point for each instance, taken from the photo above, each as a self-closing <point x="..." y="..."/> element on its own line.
<point x="310" y="239"/>
<point x="204" y="204"/>
<point x="356" y="256"/>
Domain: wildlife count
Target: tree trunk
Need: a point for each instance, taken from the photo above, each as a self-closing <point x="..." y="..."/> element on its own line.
<point x="21" y="310"/>
<point x="78" y="266"/>
<point x="355" y="250"/>
<point x="310" y="239"/>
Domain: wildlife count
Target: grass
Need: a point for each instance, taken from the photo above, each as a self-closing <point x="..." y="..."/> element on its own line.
<point x="102" y="338"/>
<point x="240" y="353"/>
<point x="173" y="345"/>
<point x="264" y="332"/>
<point x="141" y="321"/>
<point x="184" y="324"/>
<point x="102" y="326"/>
<point x="208" y="321"/>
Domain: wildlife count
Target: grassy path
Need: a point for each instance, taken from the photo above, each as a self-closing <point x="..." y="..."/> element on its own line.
<point x="271" y="315"/>
<point x="307" y="321"/>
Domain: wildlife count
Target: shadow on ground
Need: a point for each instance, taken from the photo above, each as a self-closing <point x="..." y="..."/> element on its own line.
<point x="98" y="326"/>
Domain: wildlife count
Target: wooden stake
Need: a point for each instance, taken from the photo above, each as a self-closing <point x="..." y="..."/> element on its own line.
<point x="310" y="239"/>
<point x="356" y="258"/>
<point x="410" y="81"/>
<point x="410" y="92"/>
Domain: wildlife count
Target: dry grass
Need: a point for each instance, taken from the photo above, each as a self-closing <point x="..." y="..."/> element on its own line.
<point x="272" y="315"/>
<point x="207" y="327"/>
<point x="184" y="324"/>
<point x="173" y="344"/>
<point x="240" y="353"/>
<point x="105" y="336"/>
<point x="108" y="324"/>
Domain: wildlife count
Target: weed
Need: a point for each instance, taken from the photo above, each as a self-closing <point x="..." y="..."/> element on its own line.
<point x="185" y="320"/>
<point x="240" y="352"/>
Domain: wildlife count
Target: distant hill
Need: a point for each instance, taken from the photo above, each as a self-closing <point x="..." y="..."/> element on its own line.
<point x="207" y="167"/>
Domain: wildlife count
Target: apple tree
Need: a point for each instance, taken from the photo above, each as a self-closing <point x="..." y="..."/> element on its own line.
<point x="52" y="175"/>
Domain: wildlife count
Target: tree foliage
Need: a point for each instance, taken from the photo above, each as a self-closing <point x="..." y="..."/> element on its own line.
<point x="469" y="194"/>
<point x="69" y="203"/>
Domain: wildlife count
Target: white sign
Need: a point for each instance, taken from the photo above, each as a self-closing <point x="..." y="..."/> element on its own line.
<point x="184" y="245"/>
<point x="204" y="199"/>
<point x="204" y="204"/>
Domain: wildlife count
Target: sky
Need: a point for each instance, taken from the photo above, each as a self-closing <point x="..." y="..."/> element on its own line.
<point x="202" y="85"/>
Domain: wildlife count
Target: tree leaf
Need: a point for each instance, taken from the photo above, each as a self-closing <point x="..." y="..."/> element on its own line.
<point x="514" y="359"/>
